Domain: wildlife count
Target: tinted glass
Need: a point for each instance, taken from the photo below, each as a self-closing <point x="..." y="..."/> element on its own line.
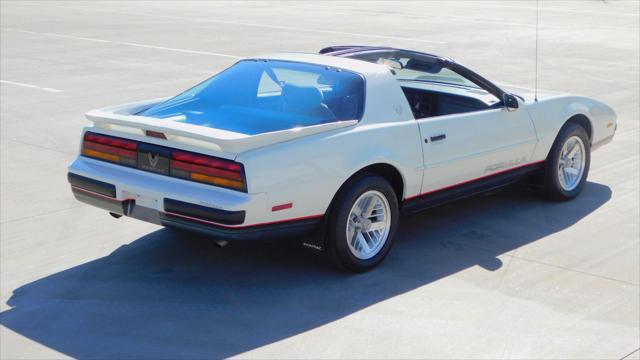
<point x="410" y="66"/>
<point x="257" y="96"/>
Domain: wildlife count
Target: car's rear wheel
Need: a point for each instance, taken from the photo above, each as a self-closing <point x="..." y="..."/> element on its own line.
<point x="362" y="224"/>
<point x="566" y="169"/>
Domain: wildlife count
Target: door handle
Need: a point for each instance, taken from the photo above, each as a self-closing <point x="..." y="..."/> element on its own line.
<point x="438" y="137"/>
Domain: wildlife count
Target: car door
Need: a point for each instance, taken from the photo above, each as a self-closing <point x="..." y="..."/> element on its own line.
<point x="465" y="139"/>
<point x="459" y="148"/>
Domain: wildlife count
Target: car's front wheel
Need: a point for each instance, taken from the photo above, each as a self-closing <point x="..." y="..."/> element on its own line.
<point x="362" y="223"/>
<point x="567" y="166"/>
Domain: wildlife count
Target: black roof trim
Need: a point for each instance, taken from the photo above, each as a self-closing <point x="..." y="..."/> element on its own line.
<point x="338" y="50"/>
<point x="345" y="50"/>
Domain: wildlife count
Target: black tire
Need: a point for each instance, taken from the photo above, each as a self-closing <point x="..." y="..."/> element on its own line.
<point x="551" y="188"/>
<point x="337" y="248"/>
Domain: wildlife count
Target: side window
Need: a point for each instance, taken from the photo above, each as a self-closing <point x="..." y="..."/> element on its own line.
<point x="428" y="102"/>
<point x="431" y="88"/>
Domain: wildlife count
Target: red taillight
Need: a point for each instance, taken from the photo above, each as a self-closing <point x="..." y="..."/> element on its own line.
<point x="206" y="161"/>
<point x="109" y="148"/>
<point x="185" y="165"/>
<point x="207" y="169"/>
<point x="111" y="141"/>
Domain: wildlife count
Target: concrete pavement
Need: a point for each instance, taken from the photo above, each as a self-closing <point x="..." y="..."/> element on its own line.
<point x="500" y="276"/>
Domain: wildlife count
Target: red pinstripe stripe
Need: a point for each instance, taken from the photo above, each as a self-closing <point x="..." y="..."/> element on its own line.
<point x="310" y="216"/>
<point x="472" y="180"/>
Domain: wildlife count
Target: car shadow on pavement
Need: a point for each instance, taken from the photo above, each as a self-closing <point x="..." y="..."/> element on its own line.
<point x="172" y="295"/>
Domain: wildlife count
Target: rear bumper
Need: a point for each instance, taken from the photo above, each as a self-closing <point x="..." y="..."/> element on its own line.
<point x="288" y="229"/>
<point x="224" y="214"/>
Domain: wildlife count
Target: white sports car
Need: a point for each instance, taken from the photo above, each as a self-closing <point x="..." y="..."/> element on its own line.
<point x="334" y="145"/>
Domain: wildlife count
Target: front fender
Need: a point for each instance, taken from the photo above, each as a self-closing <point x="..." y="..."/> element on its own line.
<point x="550" y="114"/>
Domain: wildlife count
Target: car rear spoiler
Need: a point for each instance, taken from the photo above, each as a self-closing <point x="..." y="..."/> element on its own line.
<point x="122" y="118"/>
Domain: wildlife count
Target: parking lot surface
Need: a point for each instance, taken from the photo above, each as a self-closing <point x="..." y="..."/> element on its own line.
<point x="501" y="276"/>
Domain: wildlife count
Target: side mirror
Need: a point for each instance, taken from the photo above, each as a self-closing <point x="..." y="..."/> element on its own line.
<point x="510" y="102"/>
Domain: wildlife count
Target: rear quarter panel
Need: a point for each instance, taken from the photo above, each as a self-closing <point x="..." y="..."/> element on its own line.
<point x="309" y="171"/>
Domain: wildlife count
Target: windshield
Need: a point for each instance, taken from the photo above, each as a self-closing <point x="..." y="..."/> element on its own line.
<point x="409" y="66"/>
<point x="258" y="96"/>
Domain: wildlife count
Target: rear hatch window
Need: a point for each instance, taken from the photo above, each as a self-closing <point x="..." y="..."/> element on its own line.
<point x="258" y="96"/>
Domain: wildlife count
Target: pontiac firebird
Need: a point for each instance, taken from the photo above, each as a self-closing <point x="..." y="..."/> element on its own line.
<point x="332" y="147"/>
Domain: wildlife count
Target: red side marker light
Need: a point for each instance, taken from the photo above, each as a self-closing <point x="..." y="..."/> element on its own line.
<point x="282" y="207"/>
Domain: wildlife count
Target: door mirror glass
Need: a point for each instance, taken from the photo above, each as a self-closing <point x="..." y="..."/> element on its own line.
<point x="510" y="102"/>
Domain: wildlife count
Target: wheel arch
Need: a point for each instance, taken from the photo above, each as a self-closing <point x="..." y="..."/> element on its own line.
<point x="581" y="120"/>
<point x="384" y="170"/>
<point x="578" y="119"/>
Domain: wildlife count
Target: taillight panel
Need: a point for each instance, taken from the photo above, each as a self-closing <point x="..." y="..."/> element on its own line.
<point x="111" y="141"/>
<point x="109" y="148"/>
<point x="181" y="164"/>
<point x="198" y="159"/>
<point x="207" y="169"/>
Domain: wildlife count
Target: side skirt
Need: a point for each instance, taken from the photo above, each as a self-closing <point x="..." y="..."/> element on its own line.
<point x="469" y="188"/>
